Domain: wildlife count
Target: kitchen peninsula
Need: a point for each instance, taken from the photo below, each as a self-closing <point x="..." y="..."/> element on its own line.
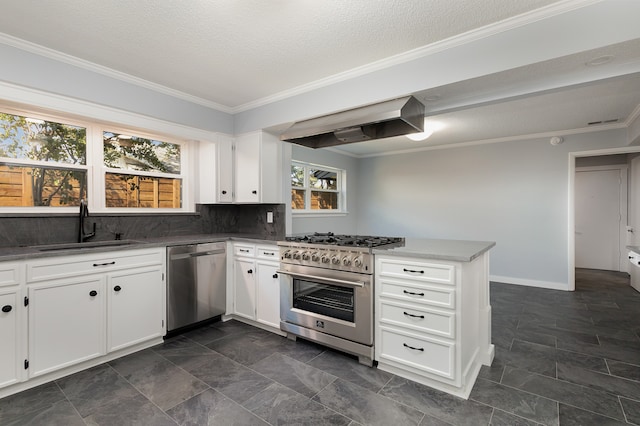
<point x="433" y="313"/>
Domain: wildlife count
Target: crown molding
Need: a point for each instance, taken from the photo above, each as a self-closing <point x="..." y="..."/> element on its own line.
<point x="108" y="72"/>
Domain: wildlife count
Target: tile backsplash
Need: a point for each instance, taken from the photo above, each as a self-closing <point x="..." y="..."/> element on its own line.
<point x="27" y="230"/>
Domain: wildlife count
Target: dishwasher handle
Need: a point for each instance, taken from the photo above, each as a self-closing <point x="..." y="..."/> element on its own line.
<point x="196" y="254"/>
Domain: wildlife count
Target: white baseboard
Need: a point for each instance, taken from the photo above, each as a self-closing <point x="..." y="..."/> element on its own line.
<point x="531" y="283"/>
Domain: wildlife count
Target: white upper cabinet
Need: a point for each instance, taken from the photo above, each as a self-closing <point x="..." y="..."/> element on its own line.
<point x="245" y="170"/>
<point x="258" y="168"/>
<point x="215" y="171"/>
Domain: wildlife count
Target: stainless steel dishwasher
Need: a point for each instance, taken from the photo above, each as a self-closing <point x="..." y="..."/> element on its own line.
<point x="196" y="284"/>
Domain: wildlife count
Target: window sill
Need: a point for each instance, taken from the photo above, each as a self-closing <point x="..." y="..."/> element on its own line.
<point x="306" y="214"/>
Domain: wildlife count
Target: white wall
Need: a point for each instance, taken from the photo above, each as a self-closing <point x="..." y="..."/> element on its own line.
<point x="339" y="224"/>
<point x="513" y="193"/>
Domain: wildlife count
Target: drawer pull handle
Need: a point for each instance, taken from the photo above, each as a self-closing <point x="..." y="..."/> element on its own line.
<point x="412" y="348"/>
<point x="93" y="293"/>
<point x="117" y="288"/>
<point x="412" y="271"/>
<point x="7" y="308"/>
<point x="413" y="316"/>
<point x="244" y="251"/>
<point x="412" y="293"/>
<point x="105" y="264"/>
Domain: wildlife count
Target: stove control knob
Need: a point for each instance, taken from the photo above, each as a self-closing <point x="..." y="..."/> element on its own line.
<point x="287" y="254"/>
<point x="346" y="261"/>
<point x="325" y="258"/>
<point x="358" y="262"/>
<point x="335" y="259"/>
<point x="297" y="255"/>
<point x="306" y="255"/>
<point x="315" y="256"/>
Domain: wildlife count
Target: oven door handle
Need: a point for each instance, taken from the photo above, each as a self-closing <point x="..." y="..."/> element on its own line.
<point x="329" y="280"/>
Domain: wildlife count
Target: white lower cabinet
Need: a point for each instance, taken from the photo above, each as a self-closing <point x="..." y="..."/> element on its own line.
<point x="66" y="323"/>
<point x="268" y="294"/>
<point x="256" y="284"/>
<point x="135" y="302"/>
<point x="61" y="314"/>
<point x="11" y="351"/>
<point x="433" y="320"/>
<point x="245" y="288"/>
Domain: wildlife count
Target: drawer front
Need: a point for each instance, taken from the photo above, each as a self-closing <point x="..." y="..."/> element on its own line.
<point x="433" y="272"/>
<point x="418" y="352"/>
<point x="67" y="266"/>
<point x="9" y="274"/>
<point x="244" y="250"/>
<point x="444" y="297"/>
<point x="421" y="320"/>
<point x="271" y="253"/>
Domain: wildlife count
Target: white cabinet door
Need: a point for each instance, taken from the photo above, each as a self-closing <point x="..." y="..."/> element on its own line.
<point x="10" y="330"/>
<point x="225" y="170"/>
<point x="258" y="168"/>
<point x="135" y="301"/>
<point x="247" y="168"/>
<point x="66" y="323"/>
<point x="245" y="288"/>
<point x="268" y="294"/>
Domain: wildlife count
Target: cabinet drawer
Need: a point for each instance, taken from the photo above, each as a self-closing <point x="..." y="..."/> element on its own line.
<point x="9" y="274"/>
<point x="434" y="272"/>
<point x="67" y="266"/>
<point x="244" y="250"/>
<point x="444" y="297"/>
<point x="419" y="319"/>
<point x="418" y="352"/>
<point x="265" y="252"/>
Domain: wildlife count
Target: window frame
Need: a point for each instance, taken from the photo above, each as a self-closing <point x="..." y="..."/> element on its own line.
<point x="95" y="169"/>
<point x="341" y="185"/>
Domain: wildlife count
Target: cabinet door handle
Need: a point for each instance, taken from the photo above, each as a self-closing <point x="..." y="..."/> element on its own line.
<point x="93" y="293"/>
<point x="224" y="192"/>
<point x="105" y="264"/>
<point x="412" y="348"/>
<point x="412" y="271"/>
<point x="275" y="275"/>
<point x="250" y="271"/>
<point x="7" y="308"/>
<point x="413" y="316"/>
<point x="254" y="192"/>
<point x="117" y="288"/>
<point x="412" y="293"/>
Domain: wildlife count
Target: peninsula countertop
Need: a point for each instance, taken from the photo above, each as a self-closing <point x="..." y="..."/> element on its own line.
<point x="451" y="250"/>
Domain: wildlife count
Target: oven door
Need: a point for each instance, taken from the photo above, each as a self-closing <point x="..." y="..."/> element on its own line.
<point x="332" y="302"/>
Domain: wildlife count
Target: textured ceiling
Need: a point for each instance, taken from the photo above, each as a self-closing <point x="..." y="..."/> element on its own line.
<point x="233" y="52"/>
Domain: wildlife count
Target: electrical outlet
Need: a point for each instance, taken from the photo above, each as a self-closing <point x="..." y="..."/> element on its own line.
<point x="269" y="217"/>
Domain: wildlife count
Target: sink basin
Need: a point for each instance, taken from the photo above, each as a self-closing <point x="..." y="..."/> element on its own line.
<point x="87" y="245"/>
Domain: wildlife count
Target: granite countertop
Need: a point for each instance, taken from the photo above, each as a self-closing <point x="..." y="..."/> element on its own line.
<point x="34" y="252"/>
<point x="452" y="250"/>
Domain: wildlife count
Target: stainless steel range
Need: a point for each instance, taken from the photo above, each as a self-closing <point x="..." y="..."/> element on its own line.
<point x="327" y="290"/>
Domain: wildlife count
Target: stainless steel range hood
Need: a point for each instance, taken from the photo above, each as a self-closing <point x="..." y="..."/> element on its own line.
<point x="377" y="121"/>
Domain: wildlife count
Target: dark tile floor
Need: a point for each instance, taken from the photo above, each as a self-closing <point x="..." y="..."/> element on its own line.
<point x="567" y="358"/>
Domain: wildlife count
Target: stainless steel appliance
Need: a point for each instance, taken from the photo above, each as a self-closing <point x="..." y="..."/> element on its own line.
<point x="327" y="290"/>
<point x="196" y="284"/>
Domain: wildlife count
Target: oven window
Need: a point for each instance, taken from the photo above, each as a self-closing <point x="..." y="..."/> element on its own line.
<point x="324" y="299"/>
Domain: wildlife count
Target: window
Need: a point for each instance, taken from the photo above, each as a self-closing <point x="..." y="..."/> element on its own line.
<point x="126" y="156"/>
<point x="317" y="189"/>
<point x="51" y="164"/>
<point x="42" y="163"/>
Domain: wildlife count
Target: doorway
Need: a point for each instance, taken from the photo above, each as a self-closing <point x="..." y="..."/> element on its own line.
<point x="601" y="216"/>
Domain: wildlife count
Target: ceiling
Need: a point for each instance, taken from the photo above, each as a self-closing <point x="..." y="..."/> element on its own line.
<point x="234" y="54"/>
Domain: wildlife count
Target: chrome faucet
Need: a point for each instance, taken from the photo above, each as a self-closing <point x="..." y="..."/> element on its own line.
<point x="84" y="213"/>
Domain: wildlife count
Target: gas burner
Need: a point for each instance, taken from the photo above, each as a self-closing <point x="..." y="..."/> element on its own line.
<point x="330" y="238"/>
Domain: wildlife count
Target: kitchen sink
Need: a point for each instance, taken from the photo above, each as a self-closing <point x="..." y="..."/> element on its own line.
<point x="88" y="245"/>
